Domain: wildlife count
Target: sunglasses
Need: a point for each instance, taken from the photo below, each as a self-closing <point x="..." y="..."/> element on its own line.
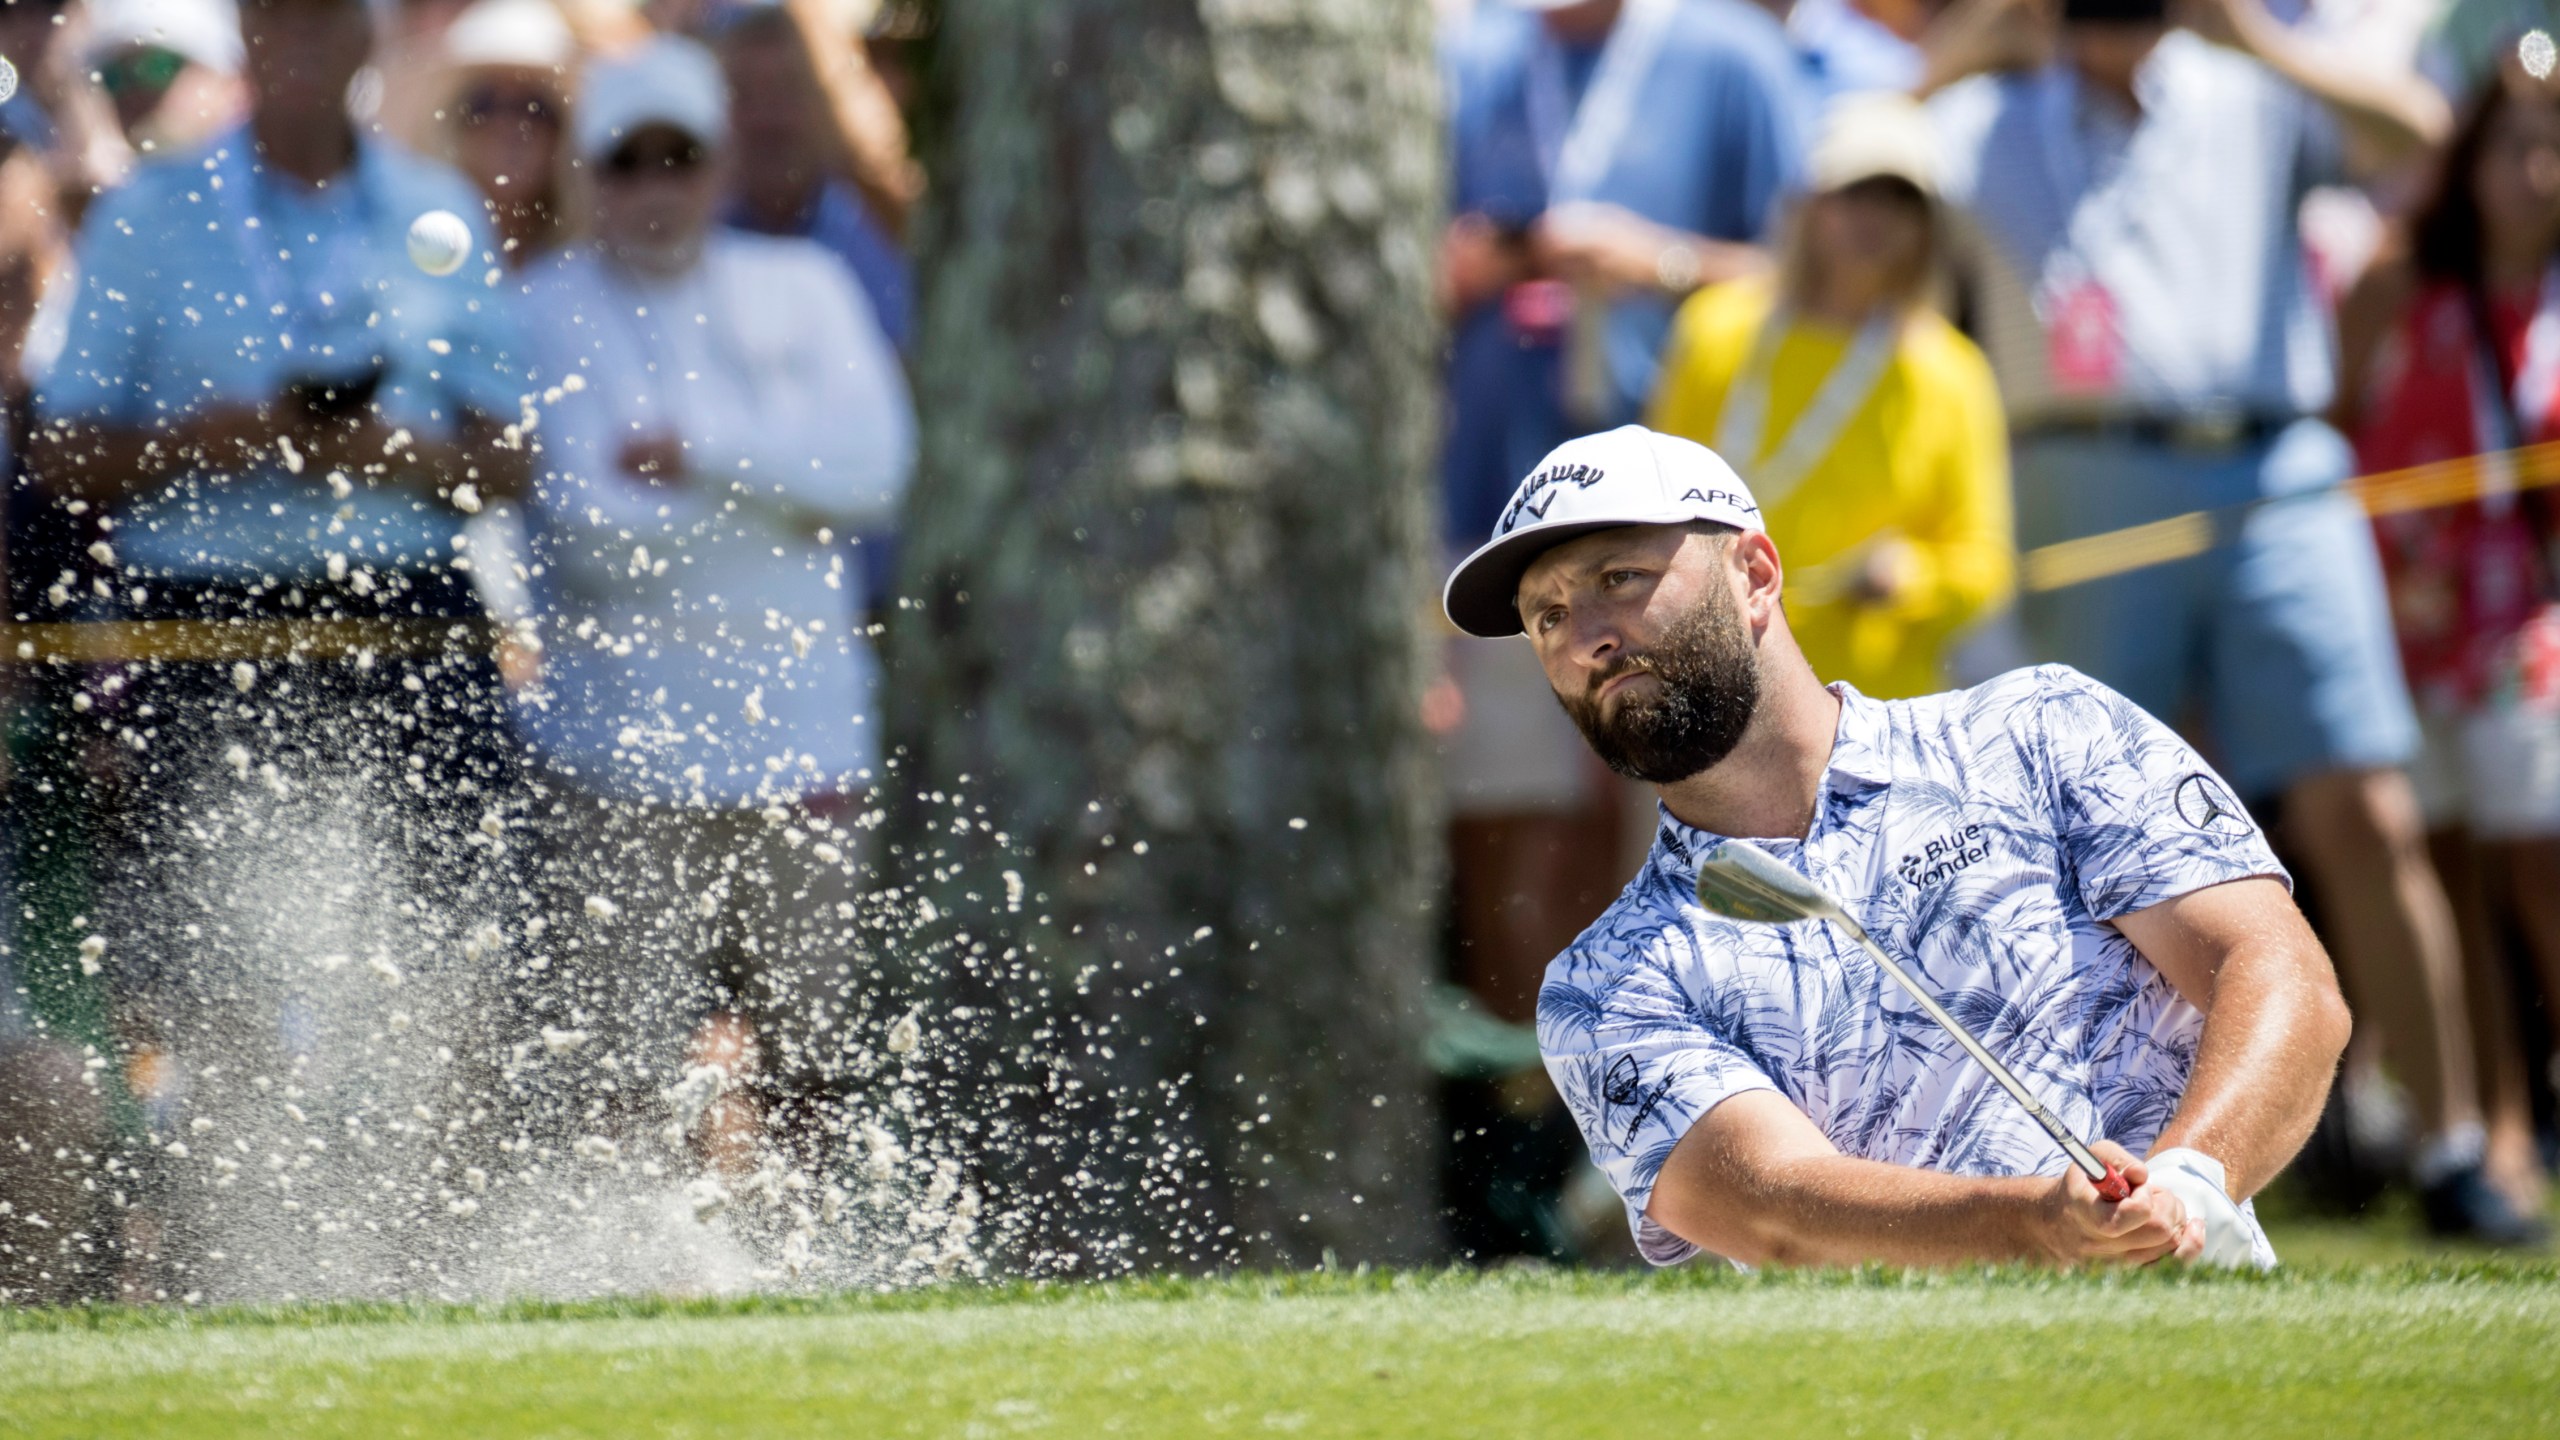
<point x="483" y="103"/>
<point x="662" y="158"/>
<point x="141" y="72"/>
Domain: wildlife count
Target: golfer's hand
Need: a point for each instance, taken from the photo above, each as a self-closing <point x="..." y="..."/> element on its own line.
<point x="2150" y="1224"/>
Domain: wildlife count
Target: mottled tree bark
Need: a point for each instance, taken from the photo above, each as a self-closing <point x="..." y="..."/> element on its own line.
<point x="1169" y="555"/>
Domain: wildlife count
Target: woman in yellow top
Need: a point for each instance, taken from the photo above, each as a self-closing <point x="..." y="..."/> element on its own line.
<point x="1869" y="429"/>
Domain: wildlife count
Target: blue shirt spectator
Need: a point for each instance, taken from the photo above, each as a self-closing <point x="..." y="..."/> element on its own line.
<point x="2146" y="262"/>
<point x="210" y="281"/>
<point x="1708" y="141"/>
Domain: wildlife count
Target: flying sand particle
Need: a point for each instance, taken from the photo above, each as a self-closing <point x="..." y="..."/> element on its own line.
<point x="906" y="1035"/>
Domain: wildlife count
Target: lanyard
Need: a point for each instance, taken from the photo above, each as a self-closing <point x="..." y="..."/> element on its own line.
<point x="1575" y="151"/>
<point x="317" y="292"/>
<point x="1843" y="393"/>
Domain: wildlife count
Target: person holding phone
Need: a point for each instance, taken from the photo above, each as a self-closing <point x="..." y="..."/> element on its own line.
<point x="275" y="424"/>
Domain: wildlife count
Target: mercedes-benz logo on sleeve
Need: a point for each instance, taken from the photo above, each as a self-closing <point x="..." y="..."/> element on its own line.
<point x="2204" y="804"/>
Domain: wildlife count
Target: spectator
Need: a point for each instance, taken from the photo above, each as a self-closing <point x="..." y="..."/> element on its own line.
<point x="509" y="65"/>
<point x="821" y="148"/>
<point x="727" y="403"/>
<point x="1578" y="221"/>
<point x="2141" y="289"/>
<point x="54" y="109"/>
<point x="821" y="153"/>
<point x="2448" y="349"/>
<point x="1868" y="428"/>
<point x="1609" y="157"/>
<point x="170" y="67"/>
<point x="402" y="87"/>
<point x="282" y="418"/>
<point x="1578" y="227"/>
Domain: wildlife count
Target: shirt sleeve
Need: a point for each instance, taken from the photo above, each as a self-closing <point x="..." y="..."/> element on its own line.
<point x="2320" y="145"/>
<point x="486" y="371"/>
<point x="2142" y="818"/>
<point x="1638" y="1063"/>
<point x="1762" y="150"/>
<point x="103" y="375"/>
<point x="840" y="443"/>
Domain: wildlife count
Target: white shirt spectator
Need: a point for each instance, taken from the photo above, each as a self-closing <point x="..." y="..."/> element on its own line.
<point x="702" y="631"/>
<point x="1986" y="837"/>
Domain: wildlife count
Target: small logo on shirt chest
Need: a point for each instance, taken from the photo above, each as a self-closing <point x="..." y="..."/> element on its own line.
<point x="1950" y="854"/>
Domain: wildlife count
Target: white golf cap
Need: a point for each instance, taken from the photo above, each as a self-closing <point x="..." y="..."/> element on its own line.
<point x="1627" y="476"/>
<point x="1874" y="135"/>
<point x="510" y="34"/>
<point x="668" y="81"/>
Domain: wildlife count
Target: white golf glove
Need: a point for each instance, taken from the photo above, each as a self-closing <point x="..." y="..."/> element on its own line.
<point x="2197" y="1180"/>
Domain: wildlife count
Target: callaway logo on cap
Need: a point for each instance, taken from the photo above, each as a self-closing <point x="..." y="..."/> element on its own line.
<point x="1626" y="476"/>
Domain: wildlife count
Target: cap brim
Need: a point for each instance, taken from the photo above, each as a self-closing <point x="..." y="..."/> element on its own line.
<point x="1483" y="593"/>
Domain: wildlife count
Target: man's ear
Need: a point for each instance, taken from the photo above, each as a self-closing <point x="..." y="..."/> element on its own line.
<point x="1759" y="576"/>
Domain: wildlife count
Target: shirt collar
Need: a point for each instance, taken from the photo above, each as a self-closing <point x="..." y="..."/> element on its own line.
<point x="1861" y="763"/>
<point x="1862" y="748"/>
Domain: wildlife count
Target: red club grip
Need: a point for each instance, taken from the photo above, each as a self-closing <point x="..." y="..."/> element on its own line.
<point x="2114" y="1186"/>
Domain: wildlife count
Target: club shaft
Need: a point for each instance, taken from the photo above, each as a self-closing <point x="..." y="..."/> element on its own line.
<point x="2052" y="1123"/>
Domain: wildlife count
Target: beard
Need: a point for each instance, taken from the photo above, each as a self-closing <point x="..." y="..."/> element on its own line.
<point x="1706" y="689"/>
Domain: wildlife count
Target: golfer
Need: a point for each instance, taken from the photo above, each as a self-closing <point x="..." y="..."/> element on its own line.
<point x="2070" y="878"/>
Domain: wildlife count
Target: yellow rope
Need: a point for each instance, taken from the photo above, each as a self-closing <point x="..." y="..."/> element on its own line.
<point x="2389" y="492"/>
<point x="228" y="640"/>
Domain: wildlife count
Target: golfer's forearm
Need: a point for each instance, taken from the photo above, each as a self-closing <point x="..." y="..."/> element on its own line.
<point x="2271" y="1043"/>
<point x="1835" y="1210"/>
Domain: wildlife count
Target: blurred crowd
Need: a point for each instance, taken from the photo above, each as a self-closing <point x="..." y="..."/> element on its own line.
<point x="461" y="643"/>
<point x="531" y="590"/>
<point x="2055" y="331"/>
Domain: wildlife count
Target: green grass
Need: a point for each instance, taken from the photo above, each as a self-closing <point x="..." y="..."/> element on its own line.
<point x="2450" y="1348"/>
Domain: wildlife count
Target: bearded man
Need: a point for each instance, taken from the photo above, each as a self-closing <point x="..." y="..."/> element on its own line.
<point x="2072" y="881"/>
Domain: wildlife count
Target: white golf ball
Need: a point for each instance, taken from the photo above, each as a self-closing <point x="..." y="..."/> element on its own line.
<point x="2537" y="53"/>
<point x="439" y="242"/>
<point x="8" y="79"/>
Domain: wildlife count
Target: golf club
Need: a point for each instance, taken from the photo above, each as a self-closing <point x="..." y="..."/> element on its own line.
<point x="1741" y="881"/>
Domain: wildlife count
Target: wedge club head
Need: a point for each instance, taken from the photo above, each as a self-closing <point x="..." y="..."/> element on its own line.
<point x="1741" y="881"/>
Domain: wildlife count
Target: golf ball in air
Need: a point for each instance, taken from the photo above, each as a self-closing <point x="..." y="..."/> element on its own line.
<point x="2537" y="53"/>
<point x="439" y="242"/>
<point x="8" y="79"/>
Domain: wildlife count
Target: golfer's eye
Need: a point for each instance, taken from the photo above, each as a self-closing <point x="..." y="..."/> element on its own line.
<point x="1616" y="578"/>
<point x="1550" y="618"/>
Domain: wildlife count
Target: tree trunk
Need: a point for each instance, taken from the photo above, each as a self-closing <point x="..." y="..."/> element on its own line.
<point x="1170" y="559"/>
